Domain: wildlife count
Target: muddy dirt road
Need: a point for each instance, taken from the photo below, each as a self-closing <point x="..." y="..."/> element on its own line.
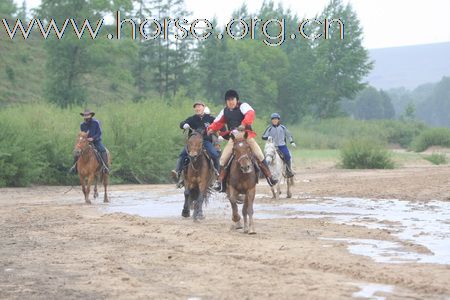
<point x="321" y="244"/>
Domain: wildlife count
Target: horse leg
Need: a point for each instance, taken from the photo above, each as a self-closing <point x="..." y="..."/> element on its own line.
<point x="105" y="177"/>
<point x="250" y="197"/>
<point x="95" y="187"/>
<point x="198" y="210"/>
<point x="274" y="194"/>
<point x="278" y="190"/>
<point x="244" y="214"/>
<point x="88" y="189"/>
<point x="83" y="186"/>
<point x="236" y="217"/>
<point x="289" y="183"/>
<point x="186" y="212"/>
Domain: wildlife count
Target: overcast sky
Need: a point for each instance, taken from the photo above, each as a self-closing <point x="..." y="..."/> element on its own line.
<point x="386" y="23"/>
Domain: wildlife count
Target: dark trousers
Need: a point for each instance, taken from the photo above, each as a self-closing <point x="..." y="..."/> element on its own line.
<point x="287" y="155"/>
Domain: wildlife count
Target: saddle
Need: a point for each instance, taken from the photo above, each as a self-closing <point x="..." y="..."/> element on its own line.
<point x="98" y="156"/>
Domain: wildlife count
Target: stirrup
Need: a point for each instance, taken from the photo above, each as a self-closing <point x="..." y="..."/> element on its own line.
<point x="219" y="186"/>
<point x="180" y="183"/>
<point x="73" y="169"/>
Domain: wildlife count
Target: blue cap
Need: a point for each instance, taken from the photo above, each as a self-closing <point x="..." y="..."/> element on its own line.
<point x="275" y="116"/>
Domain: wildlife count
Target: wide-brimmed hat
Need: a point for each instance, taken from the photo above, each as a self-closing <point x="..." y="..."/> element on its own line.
<point x="198" y="103"/>
<point x="87" y="113"/>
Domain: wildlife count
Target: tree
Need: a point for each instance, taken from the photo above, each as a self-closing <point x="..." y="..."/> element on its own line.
<point x="72" y="59"/>
<point x="8" y="9"/>
<point x="436" y="108"/>
<point x="22" y="11"/>
<point x="410" y="112"/>
<point x="388" y="107"/>
<point x="340" y="65"/>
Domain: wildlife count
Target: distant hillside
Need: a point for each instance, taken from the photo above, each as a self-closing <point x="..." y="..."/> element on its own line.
<point x="409" y="66"/>
<point x="23" y="69"/>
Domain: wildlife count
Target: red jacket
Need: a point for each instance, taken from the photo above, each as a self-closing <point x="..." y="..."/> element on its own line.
<point x="247" y="114"/>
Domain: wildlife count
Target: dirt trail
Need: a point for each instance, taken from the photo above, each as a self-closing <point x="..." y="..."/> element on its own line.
<point x="54" y="246"/>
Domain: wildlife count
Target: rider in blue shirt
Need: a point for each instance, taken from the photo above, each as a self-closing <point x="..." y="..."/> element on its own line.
<point x="280" y="134"/>
<point x="92" y="127"/>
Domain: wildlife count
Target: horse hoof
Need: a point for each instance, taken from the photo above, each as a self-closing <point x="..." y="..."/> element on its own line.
<point x="289" y="196"/>
<point x="88" y="202"/>
<point x="252" y="232"/>
<point x="106" y="201"/>
<point x="185" y="213"/>
<point x="199" y="217"/>
<point x="238" y="226"/>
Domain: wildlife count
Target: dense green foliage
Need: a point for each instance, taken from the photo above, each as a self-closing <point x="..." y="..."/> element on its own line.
<point x="365" y="154"/>
<point x="144" y="139"/>
<point x="432" y="137"/>
<point x="334" y="133"/>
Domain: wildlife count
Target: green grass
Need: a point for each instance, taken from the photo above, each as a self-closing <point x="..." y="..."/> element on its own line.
<point x="335" y="133"/>
<point x="436" y="158"/>
<point x="315" y="158"/>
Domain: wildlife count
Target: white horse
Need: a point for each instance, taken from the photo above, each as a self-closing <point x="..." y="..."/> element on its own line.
<point x="278" y="169"/>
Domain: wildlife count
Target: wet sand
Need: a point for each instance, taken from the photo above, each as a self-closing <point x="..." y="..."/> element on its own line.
<point x="55" y="246"/>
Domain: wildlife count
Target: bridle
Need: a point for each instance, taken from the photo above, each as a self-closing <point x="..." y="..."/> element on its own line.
<point x="83" y="149"/>
<point x="193" y="158"/>
<point x="271" y="155"/>
<point x="243" y="156"/>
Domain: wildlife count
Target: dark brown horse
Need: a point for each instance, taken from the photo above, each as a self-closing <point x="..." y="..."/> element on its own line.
<point x="198" y="177"/>
<point x="89" y="169"/>
<point x="242" y="179"/>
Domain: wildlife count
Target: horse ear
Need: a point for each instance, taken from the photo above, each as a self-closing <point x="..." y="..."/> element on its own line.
<point x="232" y="137"/>
<point x="270" y="139"/>
<point x="245" y="135"/>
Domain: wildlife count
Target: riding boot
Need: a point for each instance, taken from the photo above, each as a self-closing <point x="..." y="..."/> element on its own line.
<point x="73" y="169"/>
<point x="176" y="174"/>
<point x="289" y="171"/>
<point x="105" y="167"/>
<point x="216" y="166"/>
<point x="220" y="184"/>
<point x="266" y="171"/>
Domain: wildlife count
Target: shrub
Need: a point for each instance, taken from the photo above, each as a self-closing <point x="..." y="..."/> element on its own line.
<point x="436" y="158"/>
<point x="365" y="154"/>
<point x="432" y="137"/>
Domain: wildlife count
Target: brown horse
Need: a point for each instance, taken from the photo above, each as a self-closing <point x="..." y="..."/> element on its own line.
<point x="89" y="169"/>
<point x="242" y="179"/>
<point x="198" y="177"/>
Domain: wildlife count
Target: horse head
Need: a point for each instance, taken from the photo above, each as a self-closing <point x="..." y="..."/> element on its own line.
<point x="81" y="143"/>
<point x="195" y="144"/>
<point x="243" y="153"/>
<point x="270" y="150"/>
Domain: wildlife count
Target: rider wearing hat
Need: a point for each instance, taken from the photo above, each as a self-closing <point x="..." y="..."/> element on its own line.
<point x="92" y="127"/>
<point x="240" y="116"/>
<point x="280" y="134"/>
<point x="200" y="122"/>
